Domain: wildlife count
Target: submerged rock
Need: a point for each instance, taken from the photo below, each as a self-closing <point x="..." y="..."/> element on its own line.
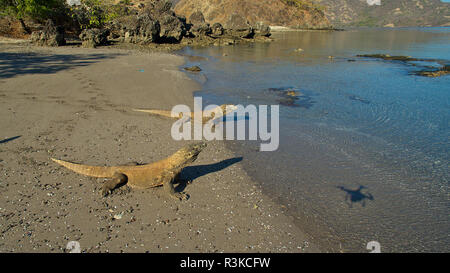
<point x="51" y="35"/>
<point x="388" y="57"/>
<point x="193" y="69"/>
<point x="427" y="71"/>
<point x="444" y="70"/>
<point x="356" y="98"/>
<point x="292" y="97"/>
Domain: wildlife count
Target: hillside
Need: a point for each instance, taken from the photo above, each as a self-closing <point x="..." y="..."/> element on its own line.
<point x="388" y="13"/>
<point x="292" y="13"/>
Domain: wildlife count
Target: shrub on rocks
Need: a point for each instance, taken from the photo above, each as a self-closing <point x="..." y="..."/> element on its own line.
<point x="51" y="35"/>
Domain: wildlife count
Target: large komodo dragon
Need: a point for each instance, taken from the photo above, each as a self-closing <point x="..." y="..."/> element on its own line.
<point x="161" y="173"/>
<point x="206" y="115"/>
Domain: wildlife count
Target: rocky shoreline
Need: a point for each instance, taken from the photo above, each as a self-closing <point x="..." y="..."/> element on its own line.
<point x="157" y="25"/>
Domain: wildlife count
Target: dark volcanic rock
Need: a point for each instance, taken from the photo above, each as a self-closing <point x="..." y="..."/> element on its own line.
<point x="262" y="29"/>
<point x="51" y="35"/>
<point x="199" y="25"/>
<point x="444" y="70"/>
<point x="202" y="29"/>
<point x="94" y="37"/>
<point x="137" y="29"/>
<point x="173" y="29"/>
<point x="238" y="26"/>
<point x="217" y="29"/>
<point x="193" y="69"/>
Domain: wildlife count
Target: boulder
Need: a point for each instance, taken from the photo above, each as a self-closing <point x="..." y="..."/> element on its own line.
<point x="193" y="69"/>
<point x="262" y="29"/>
<point x="202" y="29"/>
<point x="94" y="37"/>
<point x="217" y="29"/>
<point x="197" y="18"/>
<point x="199" y="26"/>
<point x="173" y="29"/>
<point x="156" y="22"/>
<point x="159" y="7"/>
<point x="137" y="29"/>
<point x="238" y="26"/>
<point x="51" y="35"/>
<point x="149" y="29"/>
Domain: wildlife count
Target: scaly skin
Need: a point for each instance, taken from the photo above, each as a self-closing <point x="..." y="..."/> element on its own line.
<point x="206" y="115"/>
<point x="161" y="173"/>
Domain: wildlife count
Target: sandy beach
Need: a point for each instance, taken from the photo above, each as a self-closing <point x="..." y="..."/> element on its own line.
<point x="75" y="104"/>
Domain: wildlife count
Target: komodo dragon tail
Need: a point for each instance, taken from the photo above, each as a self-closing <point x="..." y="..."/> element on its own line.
<point x="163" y="113"/>
<point x="93" y="171"/>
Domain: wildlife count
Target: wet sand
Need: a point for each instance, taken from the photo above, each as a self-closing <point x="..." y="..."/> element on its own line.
<point x="75" y="104"/>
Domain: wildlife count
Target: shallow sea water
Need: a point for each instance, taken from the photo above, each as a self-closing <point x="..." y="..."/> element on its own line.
<point x="364" y="150"/>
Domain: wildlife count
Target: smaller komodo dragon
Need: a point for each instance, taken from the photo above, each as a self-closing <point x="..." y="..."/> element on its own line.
<point x="161" y="173"/>
<point x="206" y="115"/>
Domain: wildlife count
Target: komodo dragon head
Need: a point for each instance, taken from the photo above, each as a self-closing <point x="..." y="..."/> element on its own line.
<point x="189" y="153"/>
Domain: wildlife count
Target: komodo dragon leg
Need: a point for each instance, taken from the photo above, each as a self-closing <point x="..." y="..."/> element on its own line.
<point x="168" y="180"/>
<point x="111" y="184"/>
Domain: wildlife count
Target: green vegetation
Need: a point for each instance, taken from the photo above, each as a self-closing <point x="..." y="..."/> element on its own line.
<point x="36" y="9"/>
<point x="91" y="14"/>
<point x="97" y="13"/>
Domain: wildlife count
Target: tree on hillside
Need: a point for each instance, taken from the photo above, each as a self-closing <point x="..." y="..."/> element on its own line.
<point x="36" y="9"/>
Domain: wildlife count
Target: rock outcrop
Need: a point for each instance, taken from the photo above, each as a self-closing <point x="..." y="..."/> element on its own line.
<point x="155" y="22"/>
<point x="198" y="24"/>
<point x="238" y="26"/>
<point x="92" y="38"/>
<point x="269" y="12"/>
<point x="137" y="29"/>
<point x="51" y="35"/>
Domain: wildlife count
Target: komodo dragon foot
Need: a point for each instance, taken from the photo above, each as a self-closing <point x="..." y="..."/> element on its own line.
<point x="164" y="173"/>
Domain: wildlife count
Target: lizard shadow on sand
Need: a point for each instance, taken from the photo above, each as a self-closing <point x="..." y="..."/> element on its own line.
<point x="355" y="196"/>
<point x="193" y="172"/>
<point x="9" y="139"/>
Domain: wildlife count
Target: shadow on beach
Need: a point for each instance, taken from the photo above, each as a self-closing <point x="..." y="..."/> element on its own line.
<point x="16" y="64"/>
<point x="9" y="139"/>
<point x="193" y="172"/>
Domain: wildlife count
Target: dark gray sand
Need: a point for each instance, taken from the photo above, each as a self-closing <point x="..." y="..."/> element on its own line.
<point x="75" y="104"/>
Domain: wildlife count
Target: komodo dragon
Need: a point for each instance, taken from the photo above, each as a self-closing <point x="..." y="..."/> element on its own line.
<point x="206" y="115"/>
<point x="161" y="173"/>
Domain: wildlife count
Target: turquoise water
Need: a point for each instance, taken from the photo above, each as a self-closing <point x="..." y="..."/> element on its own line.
<point x="364" y="151"/>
